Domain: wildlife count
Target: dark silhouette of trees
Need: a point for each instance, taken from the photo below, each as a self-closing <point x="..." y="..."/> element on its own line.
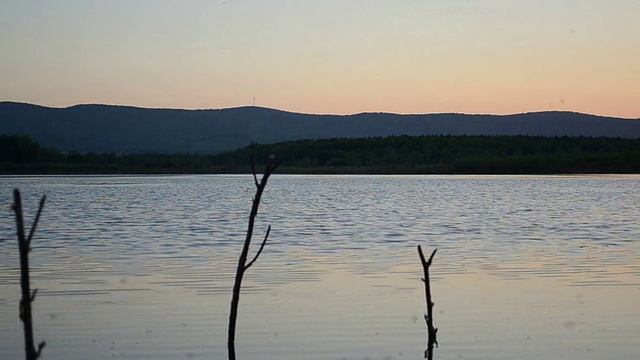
<point x="386" y="155"/>
<point x="453" y="154"/>
<point x="23" y="150"/>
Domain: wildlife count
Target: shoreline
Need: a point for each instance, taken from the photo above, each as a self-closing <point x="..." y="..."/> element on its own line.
<point x="310" y="171"/>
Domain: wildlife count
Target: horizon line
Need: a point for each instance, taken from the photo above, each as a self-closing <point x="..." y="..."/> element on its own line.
<point x="318" y="114"/>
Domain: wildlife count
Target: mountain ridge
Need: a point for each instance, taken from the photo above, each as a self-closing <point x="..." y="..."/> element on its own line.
<point x="130" y="129"/>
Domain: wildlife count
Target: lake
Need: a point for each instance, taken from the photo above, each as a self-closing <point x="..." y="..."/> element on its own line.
<point x="141" y="267"/>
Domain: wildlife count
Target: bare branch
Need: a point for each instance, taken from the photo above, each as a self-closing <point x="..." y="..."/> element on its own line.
<point x="421" y="254"/>
<point x="40" y="347"/>
<point x="428" y="317"/>
<point x="431" y="257"/>
<point x="264" y="241"/>
<point x="253" y="166"/>
<point x="422" y="258"/>
<point x="35" y="221"/>
<point x="27" y="295"/>
<point x="272" y="164"/>
<point x="17" y="208"/>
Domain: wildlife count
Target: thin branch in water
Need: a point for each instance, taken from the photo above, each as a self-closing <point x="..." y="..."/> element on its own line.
<point x="28" y="296"/>
<point x="428" y="317"/>
<point x="242" y="260"/>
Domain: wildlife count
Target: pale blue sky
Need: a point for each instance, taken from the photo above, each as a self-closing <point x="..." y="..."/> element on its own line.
<point x="348" y="56"/>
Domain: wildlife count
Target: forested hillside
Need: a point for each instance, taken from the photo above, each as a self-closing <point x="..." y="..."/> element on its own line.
<point x="127" y="130"/>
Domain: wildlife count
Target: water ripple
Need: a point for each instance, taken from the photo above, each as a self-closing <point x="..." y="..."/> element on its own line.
<point x="341" y="255"/>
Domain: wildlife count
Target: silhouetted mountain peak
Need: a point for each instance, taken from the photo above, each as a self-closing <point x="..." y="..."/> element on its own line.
<point x="128" y="129"/>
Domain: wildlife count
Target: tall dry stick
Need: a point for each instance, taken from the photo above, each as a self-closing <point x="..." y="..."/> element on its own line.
<point x="24" y="245"/>
<point x="428" y="317"/>
<point x="242" y="261"/>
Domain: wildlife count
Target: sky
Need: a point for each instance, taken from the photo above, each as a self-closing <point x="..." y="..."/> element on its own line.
<point x="326" y="56"/>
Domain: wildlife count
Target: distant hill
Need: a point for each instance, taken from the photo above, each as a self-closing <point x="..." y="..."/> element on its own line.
<point x="124" y="129"/>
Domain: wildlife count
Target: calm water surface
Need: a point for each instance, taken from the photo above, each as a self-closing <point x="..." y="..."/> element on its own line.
<point x="142" y="267"/>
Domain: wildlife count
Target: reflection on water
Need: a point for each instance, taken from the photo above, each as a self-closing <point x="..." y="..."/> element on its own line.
<point x="142" y="267"/>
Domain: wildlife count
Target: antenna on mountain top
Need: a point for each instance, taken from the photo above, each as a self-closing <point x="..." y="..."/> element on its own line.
<point x="254" y="101"/>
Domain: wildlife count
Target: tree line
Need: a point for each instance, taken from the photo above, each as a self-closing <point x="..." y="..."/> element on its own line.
<point x="22" y="155"/>
<point x="383" y="155"/>
<point x="451" y="154"/>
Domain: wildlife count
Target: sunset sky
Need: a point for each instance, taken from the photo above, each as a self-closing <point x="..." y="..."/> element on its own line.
<point x="326" y="57"/>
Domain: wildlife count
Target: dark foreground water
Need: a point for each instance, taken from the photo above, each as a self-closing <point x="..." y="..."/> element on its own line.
<point x="142" y="267"/>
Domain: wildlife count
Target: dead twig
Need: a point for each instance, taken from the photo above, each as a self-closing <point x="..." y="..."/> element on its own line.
<point x="428" y="317"/>
<point x="24" y="245"/>
<point x="242" y="261"/>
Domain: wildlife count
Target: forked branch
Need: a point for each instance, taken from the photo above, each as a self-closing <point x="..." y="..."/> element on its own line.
<point x="428" y="317"/>
<point x="242" y="261"/>
<point x="28" y="296"/>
